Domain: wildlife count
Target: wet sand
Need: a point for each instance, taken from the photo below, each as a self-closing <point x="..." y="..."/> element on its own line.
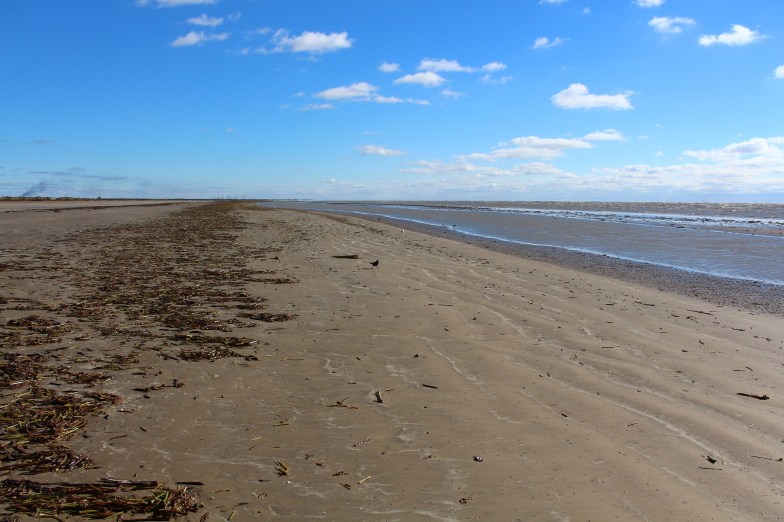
<point x="741" y="294"/>
<point x="450" y="382"/>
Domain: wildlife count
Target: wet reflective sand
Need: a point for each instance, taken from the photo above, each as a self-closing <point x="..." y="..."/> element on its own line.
<point x="734" y="241"/>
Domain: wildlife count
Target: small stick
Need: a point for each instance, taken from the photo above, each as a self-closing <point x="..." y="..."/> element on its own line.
<point x="768" y="458"/>
<point x="758" y="397"/>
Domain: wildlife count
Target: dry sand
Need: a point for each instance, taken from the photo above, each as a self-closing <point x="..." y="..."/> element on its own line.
<point x="447" y="383"/>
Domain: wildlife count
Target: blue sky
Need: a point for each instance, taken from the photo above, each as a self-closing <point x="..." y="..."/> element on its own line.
<point x="393" y="99"/>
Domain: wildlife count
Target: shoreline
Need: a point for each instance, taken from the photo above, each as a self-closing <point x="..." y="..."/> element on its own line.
<point x="754" y="296"/>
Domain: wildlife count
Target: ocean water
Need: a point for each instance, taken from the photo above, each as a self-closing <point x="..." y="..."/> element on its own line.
<point x="740" y="241"/>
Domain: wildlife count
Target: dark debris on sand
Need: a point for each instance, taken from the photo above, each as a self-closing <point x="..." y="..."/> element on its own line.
<point x="137" y="289"/>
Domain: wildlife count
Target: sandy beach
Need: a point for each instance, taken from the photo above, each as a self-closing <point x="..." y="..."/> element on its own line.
<point x="258" y="359"/>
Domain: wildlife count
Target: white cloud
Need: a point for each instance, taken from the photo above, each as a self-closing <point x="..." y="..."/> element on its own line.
<point x="310" y="42"/>
<point x="355" y="91"/>
<point x="488" y="78"/>
<point x="752" y="166"/>
<point x="544" y="42"/>
<point x="754" y="147"/>
<point x="649" y="3"/>
<point x="374" y="150"/>
<point x="669" y="25"/>
<point x="317" y="107"/>
<point x="388" y="67"/>
<point x="427" y="79"/>
<point x="552" y="1"/>
<point x="778" y="72"/>
<point x="177" y="3"/>
<point x="205" y="21"/>
<point x="494" y="67"/>
<point x="394" y="99"/>
<point x="196" y="38"/>
<point x="739" y="35"/>
<point x="576" y="96"/>
<point x="605" y="135"/>
<point x="452" y="94"/>
<point x="755" y="166"/>
<point x="478" y="172"/>
<point x="531" y="147"/>
<point x="542" y="180"/>
<point x="363" y="92"/>
<point x="387" y="99"/>
<point x="443" y="65"/>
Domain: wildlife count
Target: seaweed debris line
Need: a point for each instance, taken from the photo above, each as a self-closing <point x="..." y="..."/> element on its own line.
<point x="104" y="309"/>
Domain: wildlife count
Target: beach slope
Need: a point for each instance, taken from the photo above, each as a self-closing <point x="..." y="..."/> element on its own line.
<point x="444" y="382"/>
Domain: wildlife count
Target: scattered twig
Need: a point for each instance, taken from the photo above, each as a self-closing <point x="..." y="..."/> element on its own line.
<point x="780" y="459"/>
<point x="281" y="468"/>
<point x="342" y="404"/>
<point x="753" y="396"/>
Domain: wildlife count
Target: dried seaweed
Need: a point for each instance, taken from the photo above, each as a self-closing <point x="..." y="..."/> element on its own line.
<point x="185" y="272"/>
<point x="214" y="339"/>
<point x="208" y="354"/>
<point x="42" y="325"/>
<point x="43" y="416"/>
<point x="15" y="340"/>
<point x="18" y="370"/>
<point x="276" y="280"/>
<point x="268" y="318"/>
<point x="97" y="500"/>
<point x="87" y="379"/>
<point x="54" y="458"/>
<point x="184" y="320"/>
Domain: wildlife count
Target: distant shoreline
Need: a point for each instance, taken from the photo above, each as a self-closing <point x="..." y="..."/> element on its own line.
<point x="57" y="205"/>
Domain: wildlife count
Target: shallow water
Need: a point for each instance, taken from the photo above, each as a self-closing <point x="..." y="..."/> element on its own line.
<point x="737" y="241"/>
